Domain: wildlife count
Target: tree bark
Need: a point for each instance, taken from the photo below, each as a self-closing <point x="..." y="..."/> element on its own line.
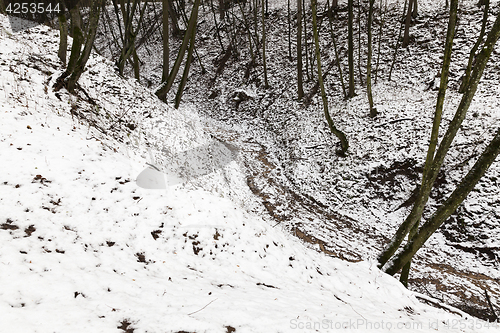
<point x="473" y="51"/>
<point x="406" y="38"/>
<point x="164" y="88"/>
<point x="427" y="180"/>
<point x="166" y="44"/>
<point x="337" y="57"/>
<point x="95" y="12"/>
<point x="373" y="110"/>
<point x="343" y="140"/>
<point x="263" y="14"/>
<point x="78" y="39"/>
<point x="63" y="36"/>
<point x="300" y="87"/>
<point x="432" y="170"/>
<point x="350" y="47"/>
<point x="448" y="207"/>
<point x="189" y="58"/>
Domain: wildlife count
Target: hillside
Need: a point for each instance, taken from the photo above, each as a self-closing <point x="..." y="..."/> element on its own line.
<point x="349" y="207"/>
<point x="84" y="248"/>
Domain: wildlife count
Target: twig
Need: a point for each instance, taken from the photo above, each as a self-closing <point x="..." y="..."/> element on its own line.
<point x="202" y="307"/>
<point x="495" y="317"/>
<point x="437" y="305"/>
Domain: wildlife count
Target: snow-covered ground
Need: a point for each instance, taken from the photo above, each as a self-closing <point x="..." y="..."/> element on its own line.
<point x="84" y="249"/>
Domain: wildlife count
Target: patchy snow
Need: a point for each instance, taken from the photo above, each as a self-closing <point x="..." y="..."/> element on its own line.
<point x="85" y="249"/>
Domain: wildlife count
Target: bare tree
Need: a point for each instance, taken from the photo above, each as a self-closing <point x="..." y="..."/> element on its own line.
<point x="166" y="44"/>
<point x="166" y="85"/>
<point x="350" y="47"/>
<point x="299" y="50"/>
<point x="473" y="51"/>
<point x="435" y="161"/>
<point x="343" y="140"/>
<point x="263" y="14"/>
<point x="63" y="34"/>
<point x="373" y="110"/>
<point x="78" y="58"/>
<point x="128" y="32"/>
<point x="406" y="38"/>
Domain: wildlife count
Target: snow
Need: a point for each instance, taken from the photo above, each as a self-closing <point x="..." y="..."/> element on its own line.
<point x="86" y="249"/>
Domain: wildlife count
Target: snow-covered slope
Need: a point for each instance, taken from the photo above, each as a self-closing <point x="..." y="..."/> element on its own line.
<point x="84" y="249"/>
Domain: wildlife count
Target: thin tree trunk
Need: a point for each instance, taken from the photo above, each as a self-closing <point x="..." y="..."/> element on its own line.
<point x="350" y="47"/>
<point x="136" y="65"/>
<point x="473" y="51"/>
<point x="334" y="130"/>
<point x="448" y="207"/>
<point x="359" y="44"/>
<point x="396" y="47"/>
<point x="299" y="50"/>
<point x="373" y="110"/>
<point x="453" y="128"/>
<point x="185" y="74"/>
<point x="129" y="33"/>
<point x="249" y="32"/>
<point x="166" y="44"/>
<point x="78" y="39"/>
<point x="337" y="58"/>
<point x="305" y="38"/>
<point x="266" y="82"/>
<point x="217" y="30"/>
<point x="164" y="88"/>
<point x="382" y="22"/>
<point x="289" y="31"/>
<point x="95" y="12"/>
<point x="406" y="38"/>
<point x="63" y="37"/>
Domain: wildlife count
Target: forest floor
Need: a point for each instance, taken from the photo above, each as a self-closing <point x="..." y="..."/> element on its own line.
<point x="348" y="207"/>
<point x="214" y="253"/>
<point x="89" y="246"/>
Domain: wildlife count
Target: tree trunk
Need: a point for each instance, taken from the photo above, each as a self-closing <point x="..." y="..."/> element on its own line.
<point x="299" y="50"/>
<point x="350" y="51"/>
<point x="217" y="30"/>
<point x="396" y="47"/>
<point x="95" y="12"/>
<point x="130" y="34"/>
<point x="373" y="110"/>
<point x="63" y="37"/>
<point x="382" y="22"/>
<point x="437" y="162"/>
<point x="266" y="82"/>
<point x="448" y="207"/>
<point x="289" y="31"/>
<point x="136" y="65"/>
<point x="406" y="38"/>
<point x="78" y="39"/>
<point x="359" y="44"/>
<point x="189" y="58"/>
<point x="473" y="51"/>
<point x="337" y="57"/>
<point x="337" y="132"/>
<point x="427" y="176"/>
<point x="164" y="88"/>
<point x="304" y="24"/>
<point x="166" y="45"/>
